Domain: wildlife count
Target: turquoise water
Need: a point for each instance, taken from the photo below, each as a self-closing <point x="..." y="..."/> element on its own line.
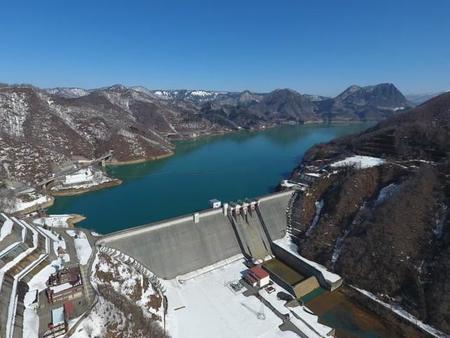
<point x="230" y="167"/>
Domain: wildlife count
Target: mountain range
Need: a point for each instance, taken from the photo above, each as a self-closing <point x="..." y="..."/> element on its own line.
<point x="41" y="129"/>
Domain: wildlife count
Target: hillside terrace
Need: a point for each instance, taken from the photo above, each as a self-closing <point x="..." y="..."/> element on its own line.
<point x="27" y="260"/>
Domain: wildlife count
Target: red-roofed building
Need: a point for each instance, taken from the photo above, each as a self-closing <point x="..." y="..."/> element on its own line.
<point x="257" y="277"/>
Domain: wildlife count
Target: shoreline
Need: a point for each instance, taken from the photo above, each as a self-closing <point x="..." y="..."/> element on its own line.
<point x="74" y="219"/>
<point x="224" y="133"/>
<point x="186" y="140"/>
<point x="73" y="192"/>
<point x="117" y="163"/>
<point x="138" y="161"/>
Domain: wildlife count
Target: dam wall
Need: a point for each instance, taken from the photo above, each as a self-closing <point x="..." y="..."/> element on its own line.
<point x="184" y="244"/>
<point x="251" y="234"/>
<point x="180" y="245"/>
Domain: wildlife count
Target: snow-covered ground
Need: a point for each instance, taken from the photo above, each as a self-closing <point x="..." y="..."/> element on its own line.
<point x="120" y="272"/>
<point x="36" y="284"/>
<point x="126" y="280"/>
<point x="6" y="227"/>
<point x="18" y="258"/>
<point x="30" y="317"/>
<point x="32" y="200"/>
<point x="203" y="305"/>
<point x="82" y="246"/>
<point x="95" y="324"/>
<point x="39" y="280"/>
<point x="300" y="316"/>
<point x="58" y="241"/>
<point x="360" y="162"/>
<point x="200" y="304"/>
<point x="30" y="323"/>
<point x="59" y="221"/>
<point x="404" y="314"/>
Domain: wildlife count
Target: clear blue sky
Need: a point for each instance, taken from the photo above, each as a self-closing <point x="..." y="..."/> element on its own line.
<point x="311" y="46"/>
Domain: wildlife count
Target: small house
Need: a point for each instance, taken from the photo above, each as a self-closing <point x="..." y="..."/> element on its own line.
<point x="257" y="277"/>
<point x="215" y="203"/>
<point x="64" y="285"/>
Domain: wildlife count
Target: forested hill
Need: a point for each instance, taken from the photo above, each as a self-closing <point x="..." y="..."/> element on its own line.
<point x="385" y="226"/>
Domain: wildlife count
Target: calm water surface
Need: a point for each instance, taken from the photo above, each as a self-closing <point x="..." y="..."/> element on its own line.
<point x="230" y="167"/>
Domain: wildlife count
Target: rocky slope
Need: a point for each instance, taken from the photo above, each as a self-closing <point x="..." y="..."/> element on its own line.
<point x="42" y="130"/>
<point x="386" y="228"/>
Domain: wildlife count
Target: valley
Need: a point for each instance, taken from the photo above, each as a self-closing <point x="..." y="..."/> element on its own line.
<point x="43" y="131"/>
<point x="340" y="200"/>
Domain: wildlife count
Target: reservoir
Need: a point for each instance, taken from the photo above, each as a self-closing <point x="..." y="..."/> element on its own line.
<point x="228" y="167"/>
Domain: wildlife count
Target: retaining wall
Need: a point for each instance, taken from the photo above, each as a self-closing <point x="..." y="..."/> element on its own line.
<point x="303" y="267"/>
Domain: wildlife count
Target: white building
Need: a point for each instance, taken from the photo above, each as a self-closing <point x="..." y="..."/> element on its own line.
<point x="81" y="176"/>
<point x="214" y="203"/>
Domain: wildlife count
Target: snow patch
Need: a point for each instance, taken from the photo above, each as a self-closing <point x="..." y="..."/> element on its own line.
<point x="319" y="206"/>
<point x="82" y="246"/>
<point x="202" y="304"/>
<point x="39" y="280"/>
<point x="386" y="193"/>
<point x="404" y="314"/>
<point x="201" y="93"/>
<point x="360" y="162"/>
<point x="58" y="221"/>
<point x="30" y="323"/>
<point x="6" y="228"/>
<point x="58" y="241"/>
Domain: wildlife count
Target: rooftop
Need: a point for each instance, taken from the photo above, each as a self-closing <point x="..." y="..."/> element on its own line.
<point x="58" y="316"/>
<point x="259" y="272"/>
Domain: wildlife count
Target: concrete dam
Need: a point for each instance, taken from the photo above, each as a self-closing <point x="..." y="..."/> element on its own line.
<point x="184" y="244"/>
<point x="257" y="229"/>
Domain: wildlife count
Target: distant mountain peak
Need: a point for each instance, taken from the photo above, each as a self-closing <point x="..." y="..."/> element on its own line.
<point x="116" y="87"/>
<point x="286" y="91"/>
<point x="68" y="92"/>
<point x="380" y="95"/>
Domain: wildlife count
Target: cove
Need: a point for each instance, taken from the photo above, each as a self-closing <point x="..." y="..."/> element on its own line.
<point x="228" y="167"/>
